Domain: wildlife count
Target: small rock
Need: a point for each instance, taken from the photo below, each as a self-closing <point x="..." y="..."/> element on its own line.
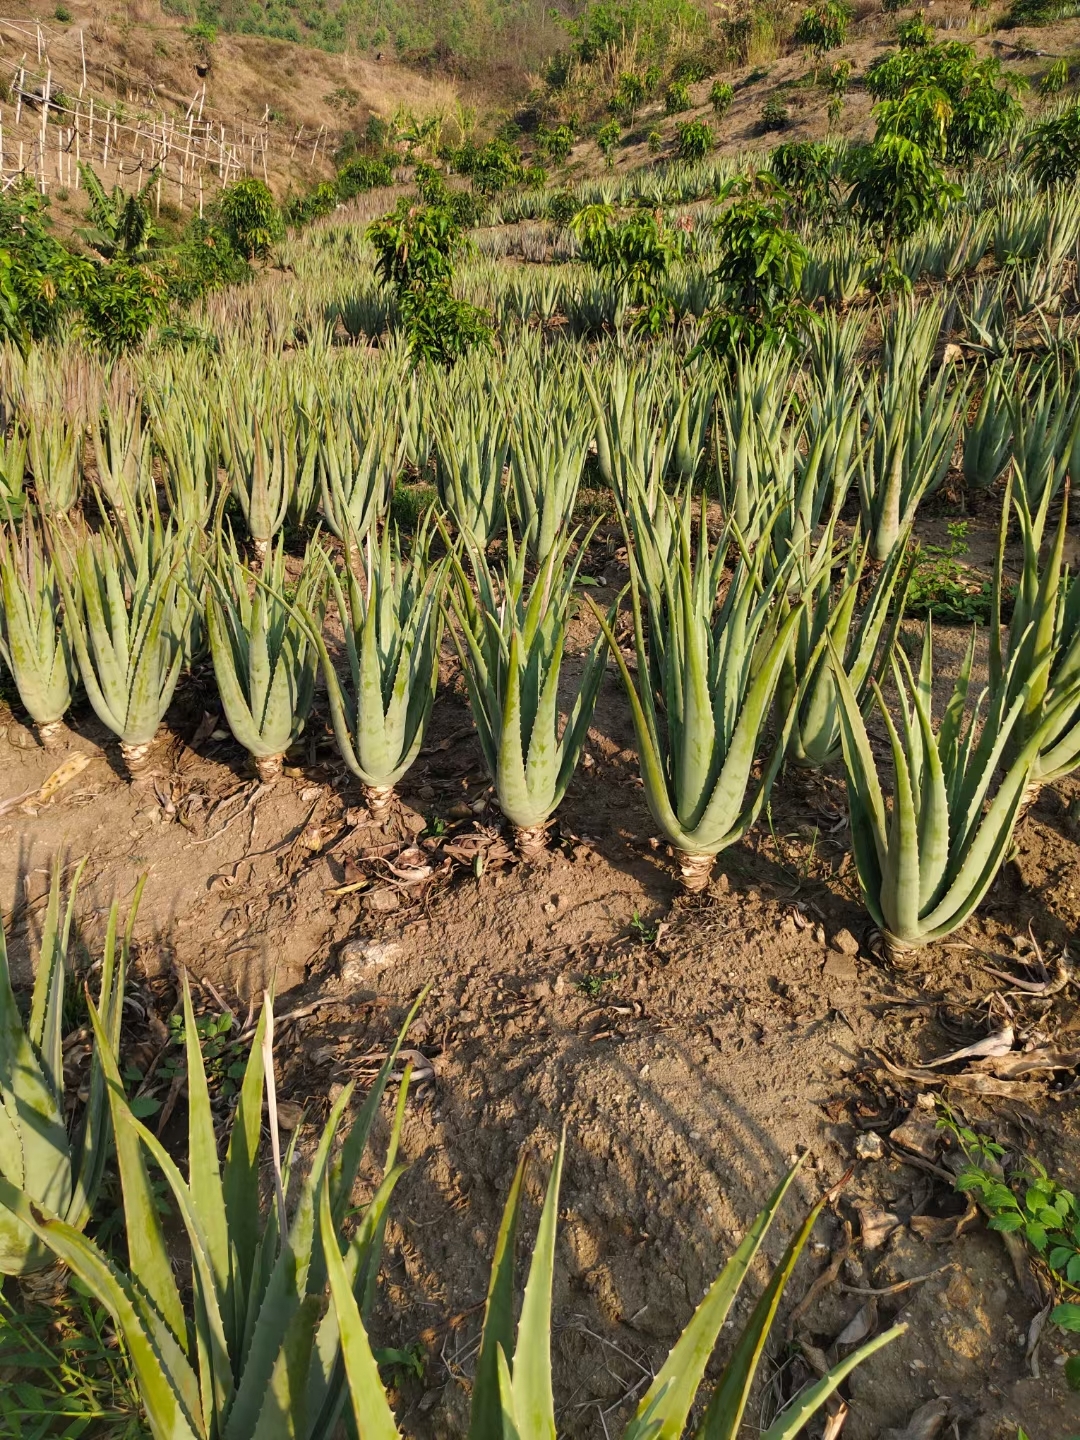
<point x="869" y="1146"/>
<point x="819" y="934"/>
<point x="840" y="967"/>
<point x="952" y="354"/>
<point x="844" y="943"/>
<point x="426" y="792"/>
<point x="723" y="884"/>
<point x="334" y="1094"/>
<point x="359" y="957"/>
<point x="382" y="902"/>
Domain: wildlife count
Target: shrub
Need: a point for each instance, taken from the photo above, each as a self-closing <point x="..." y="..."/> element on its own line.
<point x="250" y="217"/>
<point x="895" y="187"/>
<point x="720" y="98"/>
<point x="361" y="174"/>
<point x="607" y="138"/>
<point x="942" y="100"/>
<point x="692" y="69"/>
<point x="63" y="14"/>
<point x="695" y="139"/>
<point x="774" y="114"/>
<point x="823" y="25"/>
<point x="655" y="142"/>
<point x="628" y="94"/>
<point x="758" y="274"/>
<point x="915" y="33"/>
<point x="1052" y="148"/>
<point x="562" y="207"/>
<point x="495" y="166"/>
<point x="555" y="143"/>
<point x="676" y="97"/>
<point x="1055" y="79"/>
<point x="804" y="168"/>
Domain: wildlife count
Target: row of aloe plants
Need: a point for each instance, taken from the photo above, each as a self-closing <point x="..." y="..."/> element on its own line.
<point x="291" y="439"/>
<point x="752" y="649"/>
<point x="269" y="1334"/>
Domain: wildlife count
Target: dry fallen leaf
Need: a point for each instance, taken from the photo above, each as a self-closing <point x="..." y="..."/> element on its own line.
<point x="924" y="1424"/>
<point x="859" y="1326"/>
<point x="876" y="1225"/>
<point x="943" y="1229"/>
<point x="61" y="776"/>
<point x="1000" y="1043"/>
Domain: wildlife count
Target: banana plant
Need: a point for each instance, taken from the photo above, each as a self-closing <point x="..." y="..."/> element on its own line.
<point x="864" y="641"/>
<point x="264" y="659"/>
<point x="471" y="449"/>
<point x="924" y="868"/>
<point x="392" y="640"/>
<point x="512" y="1393"/>
<point x="707" y="678"/>
<point x="54" y="1167"/>
<point x="34" y="641"/>
<point x="129" y="613"/>
<point x="54" y="433"/>
<point x="549" y="442"/>
<point x="249" y="1350"/>
<point x="121" y="445"/>
<point x="511" y="646"/>
<point x="1041" y="651"/>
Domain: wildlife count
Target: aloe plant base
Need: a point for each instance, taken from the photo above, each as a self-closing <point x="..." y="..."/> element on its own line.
<point x="269" y="768"/>
<point x="531" y="841"/>
<point x="136" y="758"/>
<point x="379" y="800"/>
<point x="696" y="872"/>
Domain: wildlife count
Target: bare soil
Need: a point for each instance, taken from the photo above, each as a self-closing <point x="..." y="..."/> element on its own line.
<point x="690" y="1049"/>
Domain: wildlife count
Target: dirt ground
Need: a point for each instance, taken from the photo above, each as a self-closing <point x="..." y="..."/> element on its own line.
<point x="690" y="1049"/>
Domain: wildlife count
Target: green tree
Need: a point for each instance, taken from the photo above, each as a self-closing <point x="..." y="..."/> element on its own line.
<point x="607" y="137"/>
<point x="628" y="95"/>
<point x="677" y="97"/>
<point x="720" y="97"/>
<point x="415" y="246"/>
<point x="695" y="139"/>
<point x="250" y="217"/>
<point x="823" y="25"/>
<point x="759" y="271"/>
<point x="1052" y="148"/>
<point x="896" y="188"/>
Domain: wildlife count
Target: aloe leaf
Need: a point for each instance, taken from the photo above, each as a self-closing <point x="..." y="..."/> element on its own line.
<point x="371" y="1410"/>
<point x="534" y="1402"/>
<point x="797" y="1412"/>
<point x="498" y="1332"/>
<point x="667" y="1401"/>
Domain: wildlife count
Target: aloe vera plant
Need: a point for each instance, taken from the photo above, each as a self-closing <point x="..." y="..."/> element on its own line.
<point x="252" y="1352"/>
<point x="549" y="440"/>
<point x="12" y="472"/>
<point x="988" y="436"/>
<point x="264" y="659"/>
<point x="392" y="630"/>
<point x="925" y="868"/>
<point x="1040" y="655"/>
<point x="512" y="1392"/>
<point x="55" y="1167"/>
<point x="511" y="645"/>
<point x="357" y="464"/>
<point x="129" y="612"/>
<point x="864" y="641"/>
<point x="706" y="683"/>
<point x="908" y="454"/>
<point x="262" y="457"/>
<point x="121" y="444"/>
<point x="54" y="433"/>
<point x="34" y="641"/>
<point x="471" y="450"/>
